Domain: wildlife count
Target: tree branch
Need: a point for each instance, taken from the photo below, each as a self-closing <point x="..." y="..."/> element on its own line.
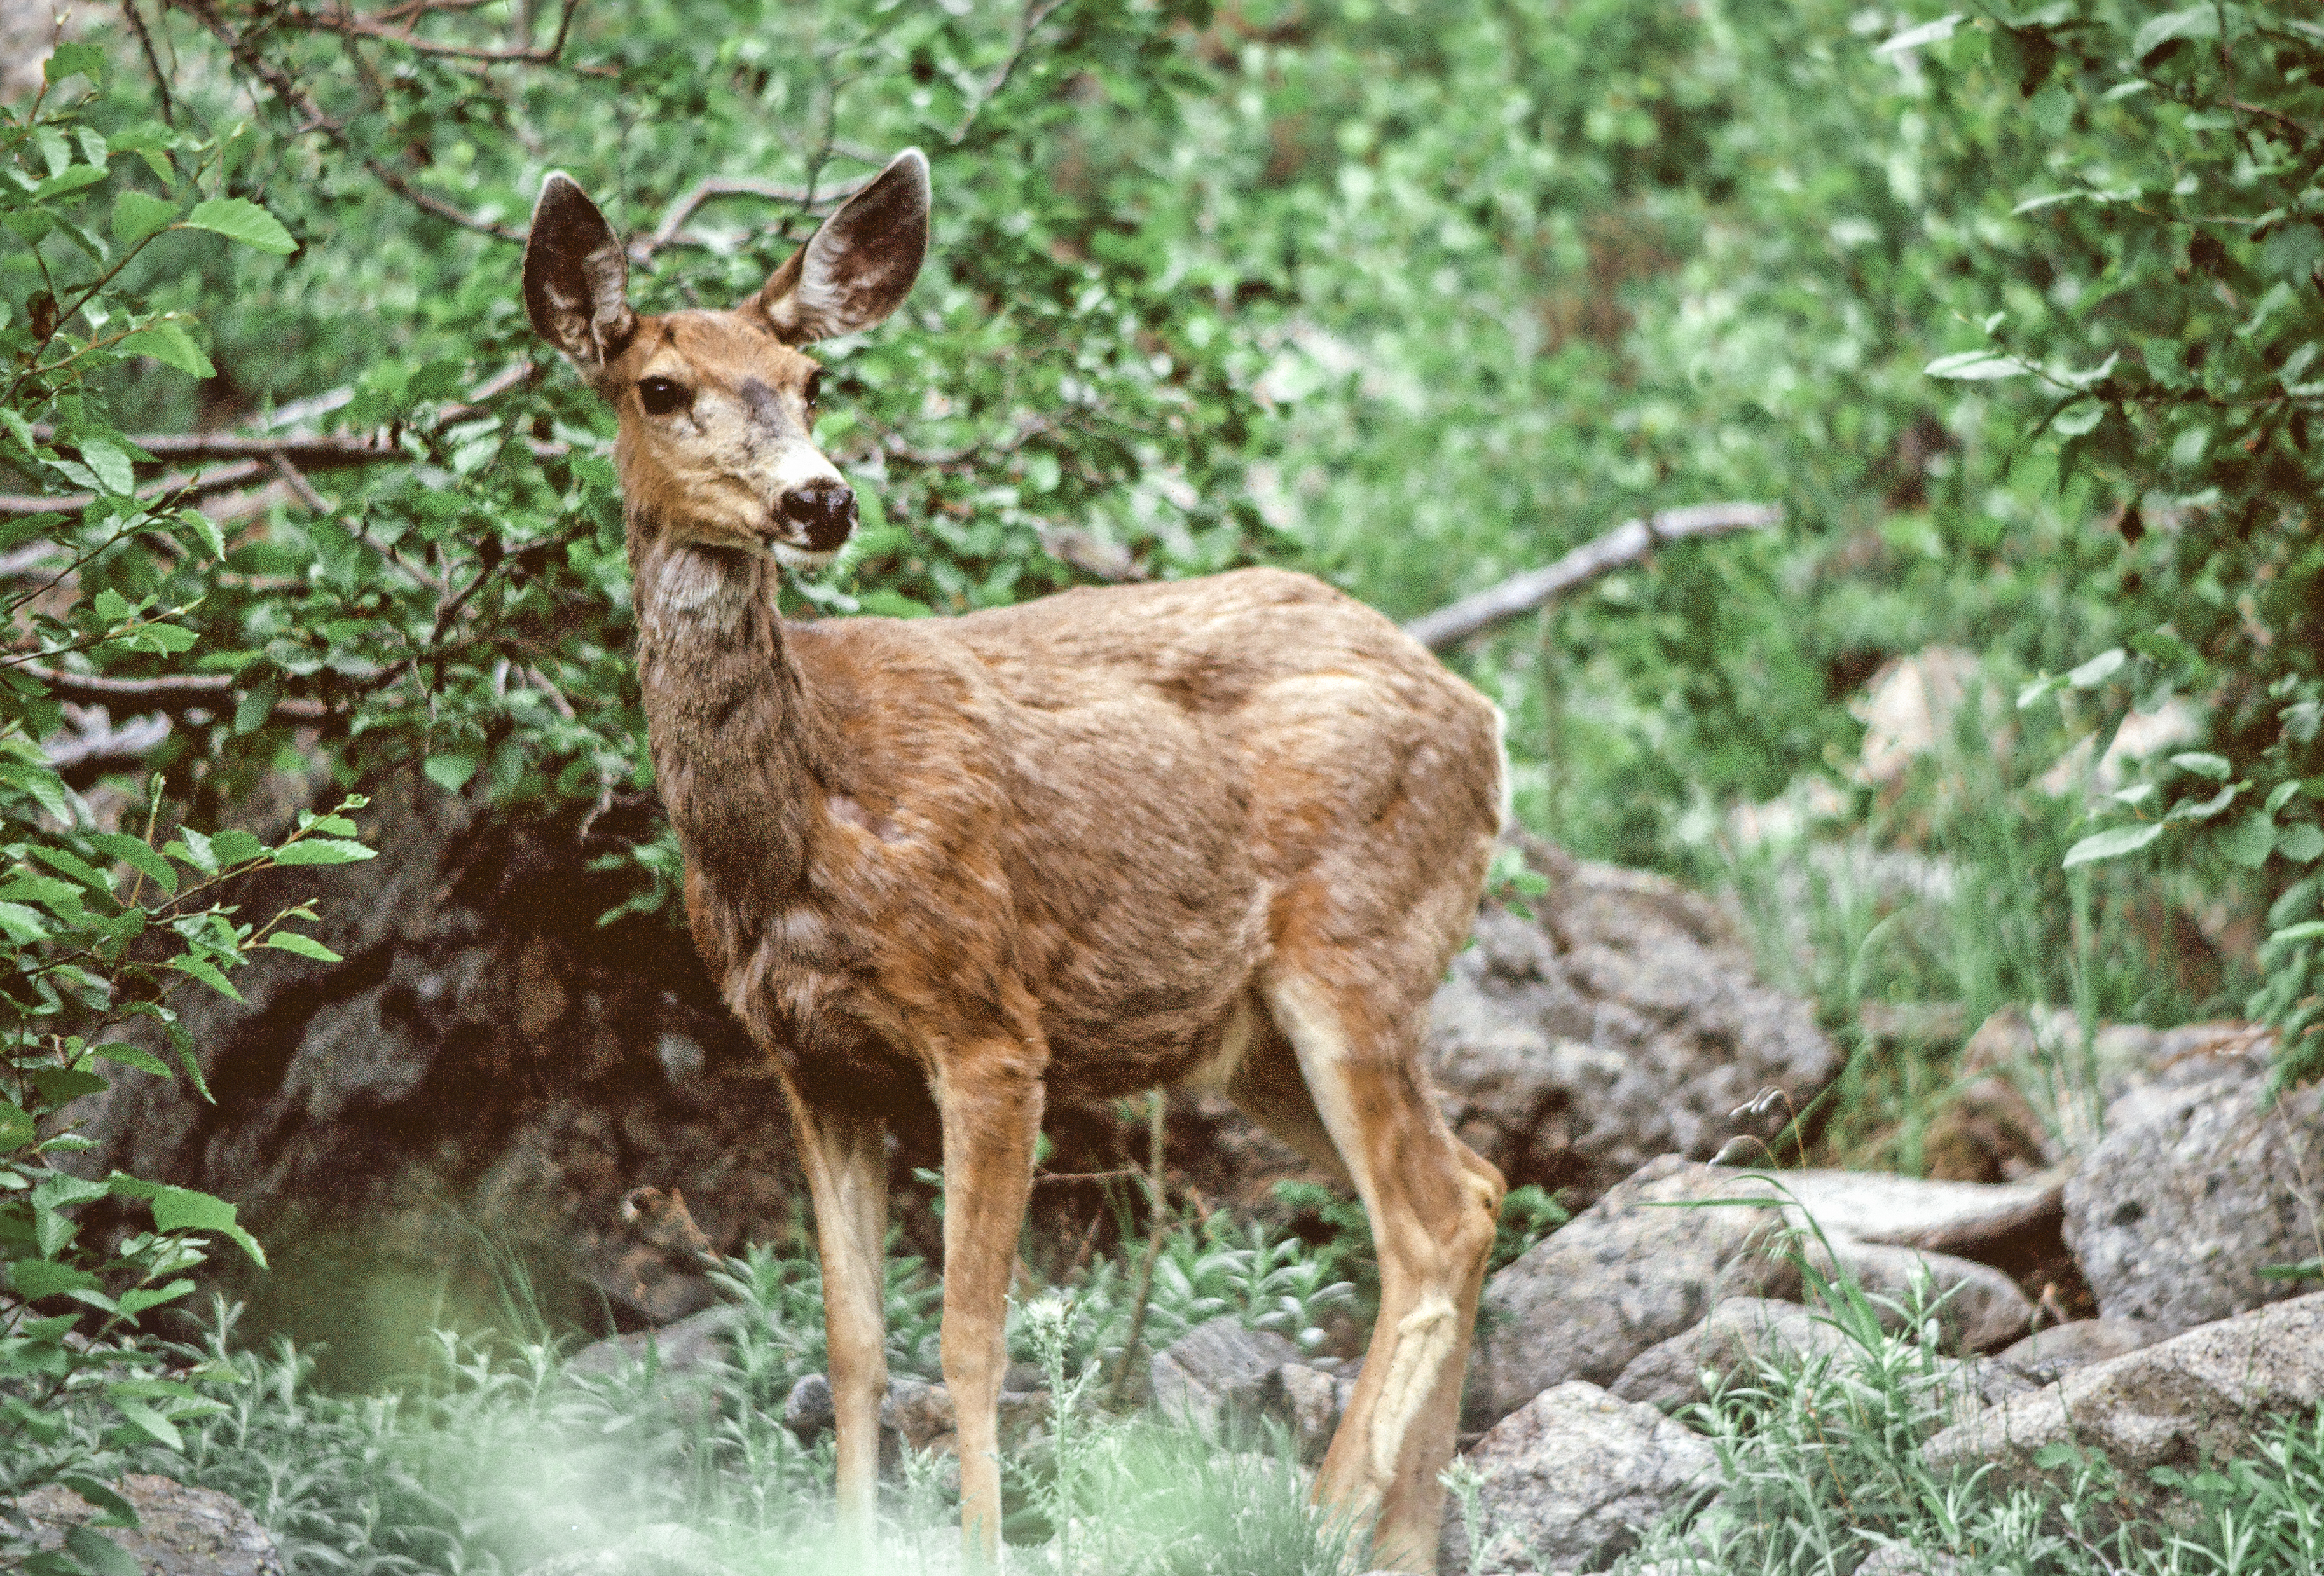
<point x="714" y="187"/>
<point x="1626" y="543"/>
<point x="172" y="694"/>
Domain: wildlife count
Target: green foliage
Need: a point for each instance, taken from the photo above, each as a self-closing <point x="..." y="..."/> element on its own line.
<point x="100" y="927"/>
<point x="2154" y="289"/>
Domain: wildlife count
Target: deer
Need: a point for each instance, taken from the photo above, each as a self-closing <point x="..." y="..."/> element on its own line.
<point x="1223" y="833"/>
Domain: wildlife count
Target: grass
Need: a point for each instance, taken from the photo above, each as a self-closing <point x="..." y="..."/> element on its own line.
<point x="1947" y="889"/>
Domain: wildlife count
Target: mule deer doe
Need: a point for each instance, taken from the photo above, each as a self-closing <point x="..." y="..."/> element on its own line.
<point x="1224" y="833"/>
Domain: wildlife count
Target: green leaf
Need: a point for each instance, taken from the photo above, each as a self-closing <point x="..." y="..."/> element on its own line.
<point x="2192" y="22"/>
<point x="2250" y="841"/>
<point x="168" y="342"/>
<point x="118" y="1511"/>
<point x="138" y="1299"/>
<point x="2300" y="844"/>
<point x="2057" y="1453"/>
<point x="86" y="59"/>
<point x="101" y="1554"/>
<point x="60" y="1086"/>
<point x="2112" y="844"/>
<point x="233" y="846"/>
<point x="240" y="219"/>
<point x="2097" y="669"/>
<point x="305" y="946"/>
<point x="322" y="850"/>
<point x="148" y="1422"/>
<point x="1975" y="366"/>
<point x="138" y="214"/>
<point x="139" y="856"/>
<point x="194" y="849"/>
<point x="35" y="1278"/>
<point x="449" y="772"/>
<point x="136" y="1056"/>
<point x="73" y="865"/>
<point x="183" y="1209"/>
<point x="110" y="466"/>
<point x="75" y="178"/>
<point x="1913" y="38"/>
<point x="2201" y="764"/>
<point x="207" y="971"/>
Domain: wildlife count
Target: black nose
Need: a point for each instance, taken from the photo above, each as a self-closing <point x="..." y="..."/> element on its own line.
<point x="826" y="509"/>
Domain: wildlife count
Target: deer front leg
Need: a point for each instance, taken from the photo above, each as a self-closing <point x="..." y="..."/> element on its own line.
<point x="990" y="1097"/>
<point x="845" y="1158"/>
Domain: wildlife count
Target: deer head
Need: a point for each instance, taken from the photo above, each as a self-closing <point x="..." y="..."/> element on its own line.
<point x="717" y="446"/>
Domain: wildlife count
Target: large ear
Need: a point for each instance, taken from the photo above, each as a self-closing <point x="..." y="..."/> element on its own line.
<point x="859" y="266"/>
<point x="575" y="277"/>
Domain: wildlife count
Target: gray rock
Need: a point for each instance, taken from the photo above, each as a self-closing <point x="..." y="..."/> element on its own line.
<point x="2050" y="1354"/>
<point x="1312" y="1403"/>
<point x="1902" y="1560"/>
<point x="1628" y="1023"/>
<point x="1572" y="1478"/>
<point x="2125" y="1066"/>
<point x="2206" y="1392"/>
<point x="181" y="1531"/>
<point x="689" y="1349"/>
<point x="1728" y="1346"/>
<point x="1977" y="1307"/>
<point x="1971" y="1219"/>
<point x="662" y="1549"/>
<point x="2173" y="1216"/>
<point x="915" y="1413"/>
<point x="1220" y="1373"/>
<point x="1628" y="1273"/>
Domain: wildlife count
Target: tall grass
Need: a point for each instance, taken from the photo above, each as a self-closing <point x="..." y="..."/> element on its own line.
<point x="1948" y="889"/>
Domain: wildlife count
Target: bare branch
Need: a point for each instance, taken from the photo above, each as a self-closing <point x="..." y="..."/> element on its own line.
<point x="171" y="694"/>
<point x="91" y="747"/>
<point x="1626" y="543"/>
<point x="715" y="189"/>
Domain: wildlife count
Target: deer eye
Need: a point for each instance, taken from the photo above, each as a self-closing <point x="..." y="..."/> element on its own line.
<point x="663" y="396"/>
<point x="814" y="391"/>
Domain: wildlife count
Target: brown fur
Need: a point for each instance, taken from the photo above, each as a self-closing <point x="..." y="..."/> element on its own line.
<point x="1228" y="830"/>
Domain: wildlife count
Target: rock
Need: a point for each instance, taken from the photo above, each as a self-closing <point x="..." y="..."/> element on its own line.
<point x="2050" y="1354"/>
<point x="662" y="1549"/>
<point x="1901" y="1560"/>
<point x="2080" y="1092"/>
<point x="692" y="1347"/>
<point x="1313" y="1402"/>
<point x="1628" y="1023"/>
<point x="181" y="1531"/>
<point x="2204" y="1394"/>
<point x="1220" y="1373"/>
<point x="1910" y="706"/>
<point x="1625" y="1275"/>
<point x="1728" y="1346"/>
<point x="1571" y="1479"/>
<point x="1971" y="1220"/>
<point x="2175" y="1216"/>
<point x="916" y="1413"/>
<point x="1987" y="1130"/>
<point x="488" y="1064"/>
<point x="1977" y="1307"/>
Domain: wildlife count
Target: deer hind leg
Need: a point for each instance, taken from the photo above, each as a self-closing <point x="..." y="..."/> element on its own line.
<point x="846" y="1159"/>
<point x="990" y="1097"/>
<point x="1433" y="1203"/>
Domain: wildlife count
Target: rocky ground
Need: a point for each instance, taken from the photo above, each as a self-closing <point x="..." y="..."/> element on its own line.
<point x="489" y="1059"/>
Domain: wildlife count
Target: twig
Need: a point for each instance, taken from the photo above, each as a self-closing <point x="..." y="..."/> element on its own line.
<point x="1626" y="543"/>
<point x="715" y="189"/>
<point x="1118" y="1391"/>
<point x="348" y="24"/>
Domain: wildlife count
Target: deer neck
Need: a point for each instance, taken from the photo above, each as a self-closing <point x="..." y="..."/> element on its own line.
<point x="740" y="748"/>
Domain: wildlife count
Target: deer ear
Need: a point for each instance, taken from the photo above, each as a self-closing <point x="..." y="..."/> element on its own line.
<point x="575" y="277"/>
<point x="860" y="265"/>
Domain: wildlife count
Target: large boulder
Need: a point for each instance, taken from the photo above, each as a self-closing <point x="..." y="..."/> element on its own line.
<point x="1741" y="1333"/>
<point x="487" y="1065"/>
<point x="181" y="1531"/>
<point x="1644" y="1263"/>
<point x="1626" y="1022"/>
<point x="2204" y="1394"/>
<point x="1571" y="1479"/>
<point x="2177" y="1214"/>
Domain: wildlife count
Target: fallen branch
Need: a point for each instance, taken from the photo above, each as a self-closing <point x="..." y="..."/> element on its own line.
<point x="1626" y="543"/>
